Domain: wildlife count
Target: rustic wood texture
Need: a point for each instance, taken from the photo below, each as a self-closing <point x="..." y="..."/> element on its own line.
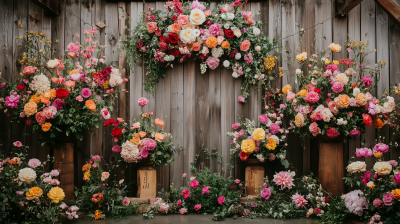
<point x="64" y="162"/>
<point x="147" y="182"/>
<point x="254" y="176"/>
<point x="392" y="8"/>
<point x="331" y="167"/>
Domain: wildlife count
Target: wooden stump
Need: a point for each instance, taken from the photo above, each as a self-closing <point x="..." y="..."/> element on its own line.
<point x="64" y="161"/>
<point x="254" y="177"/>
<point x="147" y="181"/>
<point x="330" y="168"/>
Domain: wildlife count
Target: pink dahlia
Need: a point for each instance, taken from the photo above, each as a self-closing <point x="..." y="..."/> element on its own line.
<point x="194" y="183"/>
<point x="86" y="92"/>
<point x="12" y="101"/>
<point x="312" y="97"/>
<point x="143" y="101"/>
<point x="299" y="200"/>
<point x="363" y="152"/>
<point x="266" y="193"/>
<point x="284" y="180"/>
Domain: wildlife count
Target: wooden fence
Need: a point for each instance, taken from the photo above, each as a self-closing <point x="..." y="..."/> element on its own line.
<point x="200" y="108"/>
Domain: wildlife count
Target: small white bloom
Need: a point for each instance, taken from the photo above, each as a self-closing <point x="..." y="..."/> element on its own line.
<point x="260" y="157"/>
<point x="227" y="25"/>
<point x="298" y="71"/>
<point x="370" y="184"/>
<point x="217" y="52"/>
<point x="238" y="56"/>
<point x="256" y="31"/>
<point x="314" y="82"/>
<point x="340" y="121"/>
<point x="230" y="16"/>
<point x="223" y="16"/>
<point x="235" y="75"/>
<point x="248" y="69"/>
<point x="281" y="156"/>
<point x="226" y="63"/>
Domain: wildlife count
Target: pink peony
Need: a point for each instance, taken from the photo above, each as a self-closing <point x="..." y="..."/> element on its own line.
<point x="237" y="181"/>
<point x="274" y="128"/>
<point x="337" y="87"/>
<point x="381" y="147"/>
<point x="332" y="67"/>
<point x="378" y="203"/>
<point x="33" y="163"/>
<point x="215" y="29"/>
<point x="284" y="180"/>
<point x="397" y="178"/>
<point x="355" y="202"/>
<point x="182" y="211"/>
<point x="54" y="173"/>
<point x="164" y="208"/>
<point x="314" y="129"/>
<point x="235" y="126"/>
<point x="388" y="198"/>
<point x="206" y="190"/>
<point x="266" y="193"/>
<point x="197" y="5"/>
<point x="47" y="180"/>
<point x="126" y="202"/>
<point x="367" y="80"/>
<point x="393" y="163"/>
<point x="299" y="200"/>
<point x="12" y="101"/>
<point x="363" y="152"/>
<point x="86" y="92"/>
<point x="116" y="148"/>
<point x="184" y="175"/>
<point x="149" y="144"/>
<point x="55" y="182"/>
<point x="225" y="8"/>
<point x="197" y="207"/>
<point x="185" y="193"/>
<point x="143" y="101"/>
<point x="105" y="113"/>
<point x="212" y="62"/>
<point x="17" y="144"/>
<point x="354" y="133"/>
<point x="241" y="99"/>
<point x="263" y="119"/>
<point x="221" y="200"/>
<point x="79" y="98"/>
<point x="312" y="97"/>
<point x="194" y="183"/>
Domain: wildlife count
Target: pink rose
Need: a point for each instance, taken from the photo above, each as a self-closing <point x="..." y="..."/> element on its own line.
<point x="263" y="119"/>
<point x="183" y="20"/>
<point x="33" y="163"/>
<point x="183" y="175"/>
<point x="207" y="13"/>
<point x="235" y="126"/>
<point x="79" y="98"/>
<point x="221" y="200"/>
<point x="136" y="125"/>
<point x="241" y="99"/>
<point x="185" y="193"/>
<point x="47" y="180"/>
<point x="164" y="208"/>
<point x="257" y="48"/>
<point x="314" y="129"/>
<point x="266" y="193"/>
<point x="105" y="113"/>
<point x="19" y="192"/>
<point x="17" y="144"/>
<point x="116" y="148"/>
<point x="55" y="182"/>
<point x="212" y="62"/>
<point x="143" y="101"/>
<point x="274" y="128"/>
<point x="126" y="202"/>
<point x="151" y="27"/>
<point x="393" y="163"/>
<point x="237" y="181"/>
<point x="337" y="87"/>
<point x="182" y="211"/>
<point x="194" y="183"/>
<point x="197" y="207"/>
<point x="363" y="152"/>
<point x="245" y="45"/>
<point x="225" y="8"/>
<point x="215" y="29"/>
<point x="206" y="190"/>
<point x="312" y="97"/>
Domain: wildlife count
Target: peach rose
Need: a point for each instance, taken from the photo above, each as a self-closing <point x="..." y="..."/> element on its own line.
<point x="30" y="109"/>
<point x="142" y="134"/>
<point x="196" y="46"/>
<point x="69" y="84"/>
<point x="46" y="127"/>
<point x="175" y="28"/>
<point x="105" y="176"/>
<point x="344" y="101"/>
<point x="44" y="100"/>
<point x="212" y="42"/>
<point x="71" y="54"/>
<point x="225" y="45"/>
<point x="90" y="105"/>
<point x="159" y="137"/>
<point x="245" y="45"/>
<point x="207" y="13"/>
<point x="40" y="117"/>
<point x="382" y="168"/>
<point x="361" y="99"/>
<point x="286" y="89"/>
<point x="159" y="122"/>
<point x="299" y="120"/>
<point x="183" y="20"/>
<point x="151" y="27"/>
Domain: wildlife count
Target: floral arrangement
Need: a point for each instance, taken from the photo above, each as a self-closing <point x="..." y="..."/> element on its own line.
<point x="57" y="96"/>
<point x="143" y="140"/>
<point x="191" y="30"/>
<point x="28" y="193"/>
<point x="264" y="141"/>
<point x="101" y="196"/>
<point x="377" y="194"/>
<point x="332" y="101"/>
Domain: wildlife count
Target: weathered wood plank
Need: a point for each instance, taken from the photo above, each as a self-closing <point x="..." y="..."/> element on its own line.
<point x="189" y="114"/>
<point x="323" y="9"/>
<point x="72" y="23"/>
<point x="51" y="7"/>
<point x="392" y="8"/>
<point x="214" y="99"/>
<point x="57" y="31"/>
<point x="274" y="22"/>
<point x="289" y="28"/>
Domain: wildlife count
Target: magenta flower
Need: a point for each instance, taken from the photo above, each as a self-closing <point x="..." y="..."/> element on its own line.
<point x="144" y="153"/>
<point x="149" y="144"/>
<point x="381" y="147"/>
<point x="337" y="87"/>
<point x="388" y="198"/>
<point x="206" y="190"/>
<point x="361" y="152"/>
<point x="185" y="193"/>
<point x="197" y="207"/>
<point x="354" y="133"/>
<point x="263" y="118"/>
<point x="194" y="184"/>
<point x="274" y="128"/>
<point x="367" y="80"/>
<point x="143" y="101"/>
<point x="179" y="203"/>
<point x="397" y="178"/>
<point x="86" y="92"/>
<point x="12" y="101"/>
<point x="378" y="203"/>
<point x="221" y="200"/>
<point x="332" y="67"/>
<point x="116" y="148"/>
<point x="235" y="126"/>
<point x="241" y="99"/>
<point x="266" y="193"/>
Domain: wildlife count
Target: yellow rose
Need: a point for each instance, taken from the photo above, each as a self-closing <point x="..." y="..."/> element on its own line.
<point x="258" y="134"/>
<point x="301" y="57"/>
<point x="197" y="17"/>
<point x="34" y="192"/>
<point x="335" y="47"/>
<point x="327" y="62"/>
<point x="56" y="194"/>
<point x="271" y="145"/>
<point x="335" y="62"/>
<point x="87" y="175"/>
<point x="299" y="120"/>
<point x="302" y="93"/>
<point x="286" y="89"/>
<point x="355" y="167"/>
<point x="248" y="146"/>
<point x="46" y="126"/>
<point x="396" y="194"/>
<point x="382" y="168"/>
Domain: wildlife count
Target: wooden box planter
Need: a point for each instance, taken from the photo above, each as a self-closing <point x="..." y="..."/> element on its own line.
<point x="254" y="176"/>
<point x="147" y="180"/>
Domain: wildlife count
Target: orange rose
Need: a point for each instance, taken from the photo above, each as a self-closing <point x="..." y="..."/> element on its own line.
<point x="302" y="93"/>
<point x="212" y="42"/>
<point x="135" y="139"/>
<point x="14" y="160"/>
<point x="361" y="99"/>
<point x="69" y="84"/>
<point x="225" y="45"/>
<point x="90" y="105"/>
<point x="286" y="89"/>
<point x="151" y="27"/>
<point x="71" y="54"/>
<point x="378" y="123"/>
<point x="52" y="94"/>
<point x="196" y="46"/>
<point x="46" y="126"/>
<point x="396" y="194"/>
<point x="159" y="122"/>
<point x="44" y="100"/>
<point x="159" y="137"/>
<point x="34" y="192"/>
<point x="245" y="45"/>
<point x="175" y="28"/>
<point x="86" y="167"/>
<point x="142" y="134"/>
<point x="344" y="101"/>
<point x="35" y="98"/>
<point x="30" y="109"/>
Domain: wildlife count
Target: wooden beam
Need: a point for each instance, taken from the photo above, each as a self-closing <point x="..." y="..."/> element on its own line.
<point x="392" y="8"/>
<point x="51" y="7"/>
<point x="344" y="6"/>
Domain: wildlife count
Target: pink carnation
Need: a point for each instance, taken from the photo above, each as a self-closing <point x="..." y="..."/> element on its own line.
<point x="197" y="207"/>
<point x="299" y="200"/>
<point x="185" y="193"/>
<point x="194" y="183"/>
<point x="363" y="152"/>
<point x="235" y="126"/>
<point x="263" y="119"/>
<point x="388" y="198"/>
<point x="221" y="200"/>
<point x="86" y="92"/>
<point x="381" y="147"/>
<point x="206" y="190"/>
<point x="126" y="202"/>
<point x="143" y="101"/>
<point x="337" y="87"/>
<point x="274" y="128"/>
<point x="354" y="133"/>
<point x="284" y="180"/>
<point x="55" y="182"/>
<point x="116" y="148"/>
<point x="312" y="97"/>
<point x="367" y="80"/>
<point x="33" y="163"/>
<point x="266" y="193"/>
<point x="212" y="62"/>
<point x="314" y="129"/>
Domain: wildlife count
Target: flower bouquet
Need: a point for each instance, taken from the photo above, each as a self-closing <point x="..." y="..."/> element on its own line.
<point x="143" y="140"/>
<point x="377" y="194"/>
<point x="101" y="197"/>
<point x="61" y="96"/>
<point x="333" y="101"/>
<point x="28" y="194"/>
<point x="266" y="140"/>
<point x="191" y="30"/>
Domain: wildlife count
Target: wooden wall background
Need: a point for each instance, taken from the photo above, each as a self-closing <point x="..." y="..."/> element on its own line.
<point x="199" y="108"/>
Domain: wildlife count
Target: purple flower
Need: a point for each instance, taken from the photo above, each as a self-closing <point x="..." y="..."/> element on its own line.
<point x="86" y="92"/>
<point x="367" y="80"/>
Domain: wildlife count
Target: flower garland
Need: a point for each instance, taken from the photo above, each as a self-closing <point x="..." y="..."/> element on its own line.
<point x="191" y="30"/>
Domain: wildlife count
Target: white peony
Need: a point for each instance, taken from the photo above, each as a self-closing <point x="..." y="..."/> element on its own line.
<point x="235" y="75"/>
<point x="356" y="91"/>
<point x="340" y="121"/>
<point x="169" y="58"/>
<point x="238" y="56"/>
<point x="226" y="63"/>
<point x="130" y="152"/>
<point x="237" y="33"/>
<point x="40" y="84"/>
<point x="217" y="52"/>
<point x="188" y="36"/>
<point x="256" y="31"/>
<point x="197" y="17"/>
<point x="358" y="166"/>
<point x="52" y="63"/>
<point x="27" y="175"/>
<point x="115" y="77"/>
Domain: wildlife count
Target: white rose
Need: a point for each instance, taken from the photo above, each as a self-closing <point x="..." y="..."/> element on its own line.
<point x="197" y="17"/>
<point x="235" y="75"/>
<point x="256" y="31"/>
<point x="314" y="82"/>
<point x="357" y="166"/>
<point x="248" y="69"/>
<point x="382" y="168"/>
<point x="227" y="25"/>
<point x="326" y="114"/>
<point x="238" y="56"/>
<point x="226" y="63"/>
<point x="27" y="175"/>
<point x="356" y="91"/>
<point x="237" y="33"/>
<point x="340" y="121"/>
<point x="217" y="52"/>
<point x="370" y="184"/>
<point x="188" y="36"/>
<point x="230" y="16"/>
<point x="298" y="71"/>
<point x="52" y="63"/>
<point x="390" y="99"/>
<point x="223" y="16"/>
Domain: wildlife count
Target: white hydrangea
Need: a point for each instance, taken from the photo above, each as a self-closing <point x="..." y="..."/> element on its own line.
<point x="115" y="77"/>
<point x="226" y="63"/>
<point x="217" y="52"/>
<point x="235" y="75"/>
<point x="340" y="121"/>
<point x="256" y="31"/>
<point x="40" y="84"/>
<point x="238" y="56"/>
<point x="27" y="175"/>
<point x="260" y="157"/>
<point x="130" y="152"/>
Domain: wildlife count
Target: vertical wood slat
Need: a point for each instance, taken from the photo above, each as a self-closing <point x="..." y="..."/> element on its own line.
<point x="189" y="94"/>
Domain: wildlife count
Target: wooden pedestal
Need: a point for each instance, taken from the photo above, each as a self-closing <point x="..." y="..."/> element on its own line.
<point x="64" y="161"/>
<point x="254" y="177"/>
<point x="330" y="168"/>
<point x="147" y="181"/>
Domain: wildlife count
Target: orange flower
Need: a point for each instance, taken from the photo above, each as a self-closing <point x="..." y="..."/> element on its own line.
<point x="302" y="93"/>
<point x="136" y="138"/>
<point x="378" y="123"/>
<point x="175" y="28"/>
<point x="14" y="160"/>
<point x="225" y="45"/>
<point x="142" y="134"/>
<point x="46" y="126"/>
<point x="69" y="84"/>
<point x="35" y="98"/>
<point x="97" y="215"/>
<point x="159" y="137"/>
<point x="159" y="122"/>
<point x="396" y="194"/>
<point x="212" y="42"/>
<point x="44" y="100"/>
<point x="86" y="167"/>
<point x="34" y="192"/>
<point x="286" y="89"/>
<point x="196" y="46"/>
<point x="344" y="101"/>
<point x="361" y="99"/>
<point x="90" y="105"/>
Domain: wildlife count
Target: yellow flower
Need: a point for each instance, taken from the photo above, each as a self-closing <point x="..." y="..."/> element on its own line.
<point x="46" y="127"/>
<point x="382" y="168"/>
<point x="335" y="62"/>
<point x="73" y="71"/>
<point x="299" y="120"/>
<point x="248" y="146"/>
<point x="271" y="145"/>
<point x="269" y="62"/>
<point x="377" y="154"/>
<point x="286" y="89"/>
<point x="56" y="194"/>
<point x="97" y="215"/>
<point x="34" y="192"/>
<point x="87" y="175"/>
<point x="258" y="134"/>
<point x="302" y="93"/>
<point x="327" y="62"/>
<point x="105" y="84"/>
<point x="335" y="47"/>
<point x="30" y="109"/>
<point x="301" y="57"/>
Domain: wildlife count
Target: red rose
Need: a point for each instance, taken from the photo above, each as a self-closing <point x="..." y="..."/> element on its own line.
<point x="20" y="87"/>
<point x="28" y="122"/>
<point x="326" y="199"/>
<point x="229" y="34"/>
<point x="162" y="38"/>
<point x="367" y="119"/>
<point x="174" y="18"/>
<point x="139" y="44"/>
<point x="243" y="156"/>
<point x="108" y="122"/>
<point x="317" y="211"/>
<point x="62" y="93"/>
<point x="317" y="90"/>
<point x="116" y="132"/>
<point x="172" y="38"/>
<point x="163" y="46"/>
<point x="158" y="32"/>
<point x="174" y="52"/>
